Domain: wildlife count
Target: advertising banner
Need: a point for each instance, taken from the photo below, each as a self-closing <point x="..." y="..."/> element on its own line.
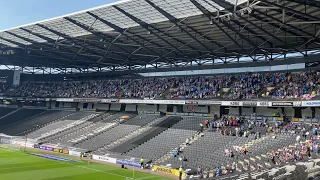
<point x="109" y="100"/>
<point x="168" y="170"/>
<point x="249" y="103"/>
<point x="232" y="103"/>
<point x="150" y="101"/>
<point x="74" y="153"/>
<point x="46" y="148"/>
<point x="128" y="163"/>
<point x="191" y="102"/>
<point x="204" y="102"/>
<point x="295" y="119"/>
<point x="63" y="151"/>
<point x="282" y="104"/>
<point x="264" y="103"/>
<point x="86" y="100"/>
<point x="311" y="103"/>
<point x="105" y="159"/>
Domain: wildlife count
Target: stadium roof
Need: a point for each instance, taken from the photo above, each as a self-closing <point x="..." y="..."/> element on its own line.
<point x="137" y="33"/>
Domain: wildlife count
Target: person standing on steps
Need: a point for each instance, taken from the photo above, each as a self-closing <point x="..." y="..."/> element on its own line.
<point x="180" y="173"/>
<point x="142" y="162"/>
<point x="201" y="127"/>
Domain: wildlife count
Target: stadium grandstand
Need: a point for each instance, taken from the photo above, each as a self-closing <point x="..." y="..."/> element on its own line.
<point x="195" y="89"/>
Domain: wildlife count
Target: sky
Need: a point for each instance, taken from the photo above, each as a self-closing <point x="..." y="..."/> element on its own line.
<point x="15" y="13"/>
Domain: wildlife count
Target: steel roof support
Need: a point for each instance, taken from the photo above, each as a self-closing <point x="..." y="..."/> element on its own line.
<point x="148" y="27"/>
<point x="208" y="14"/>
<point x="23" y="38"/>
<point x="229" y="8"/>
<point x="290" y="10"/>
<point x="13" y="42"/>
<point x="122" y="32"/>
<point x="307" y="2"/>
<point x="73" y="40"/>
<point x="175" y="21"/>
<point x="48" y="40"/>
<point x="98" y="34"/>
<point x="288" y="25"/>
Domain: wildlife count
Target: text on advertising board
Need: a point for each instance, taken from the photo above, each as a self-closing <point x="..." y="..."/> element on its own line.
<point x="311" y="103"/>
<point x="282" y="103"/>
<point x="168" y="171"/>
<point x="264" y="103"/>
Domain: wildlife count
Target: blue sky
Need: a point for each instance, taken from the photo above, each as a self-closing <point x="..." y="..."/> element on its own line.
<point x="19" y="12"/>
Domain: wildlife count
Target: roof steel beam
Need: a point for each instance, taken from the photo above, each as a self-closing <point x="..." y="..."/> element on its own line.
<point x="288" y="25"/>
<point x="208" y="14"/>
<point x="23" y="38"/>
<point x="98" y="34"/>
<point x="175" y="21"/>
<point x="147" y="26"/>
<point x="229" y="8"/>
<point x="39" y="35"/>
<point x="13" y="42"/>
<point x="290" y="10"/>
<point x="45" y="38"/>
<point x="122" y="32"/>
<point x="73" y="40"/>
<point x="307" y="2"/>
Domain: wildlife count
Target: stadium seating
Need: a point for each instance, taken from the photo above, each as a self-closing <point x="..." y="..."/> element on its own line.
<point x="4" y="111"/>
<point x="115" y="132"/>
<point x="68" y="135"/>
<point x="33" y="123"/>
<point x="63" y="122"/>
<point x="168" y="140"/>
<point x="20" y="115"/>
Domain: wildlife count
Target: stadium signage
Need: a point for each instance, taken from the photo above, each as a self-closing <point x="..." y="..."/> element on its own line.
<point x="86" y="100"/>
<point x="74" y="153"/>
<point x="263" y="103"/>
<point x="282" y="103"/>
<point x="150" y="101"/>
<point x="65" y="99"/>
<point x="191" y="102"/>
<point x="232" y="103"/>
<point x="128" y="163"/>
<point x="249" y="103"/>
<point x="311" y="103"/>
<point x="110" y="100"/>
<point x="167" y="170"/>
<point x="209" y="102"/>
<point x="297" y="103"/>
<point x="104" y="158"/>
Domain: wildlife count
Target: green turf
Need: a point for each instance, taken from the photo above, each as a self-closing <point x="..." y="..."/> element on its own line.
<point x="22" y="166"/>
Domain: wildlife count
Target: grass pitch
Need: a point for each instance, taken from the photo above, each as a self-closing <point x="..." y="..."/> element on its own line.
<point x="22" y="166"/>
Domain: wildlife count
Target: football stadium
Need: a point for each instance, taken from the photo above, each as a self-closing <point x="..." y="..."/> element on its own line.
<point x="164" y="89"/>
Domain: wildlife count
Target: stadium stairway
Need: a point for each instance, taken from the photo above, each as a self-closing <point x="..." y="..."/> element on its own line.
<point x="47" y="118"/>
<point x="111" y="123"/>
<point x="132" y="135"/>
<point x="146" y="135"/>
<point x="182" y="146"/>
<point x="120" y="130"/>
<point x="168" y="139"/>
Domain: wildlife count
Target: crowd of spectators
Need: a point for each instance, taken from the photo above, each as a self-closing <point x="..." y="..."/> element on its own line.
<point x="307" y="142"/>
<point x="235" y="86"/>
